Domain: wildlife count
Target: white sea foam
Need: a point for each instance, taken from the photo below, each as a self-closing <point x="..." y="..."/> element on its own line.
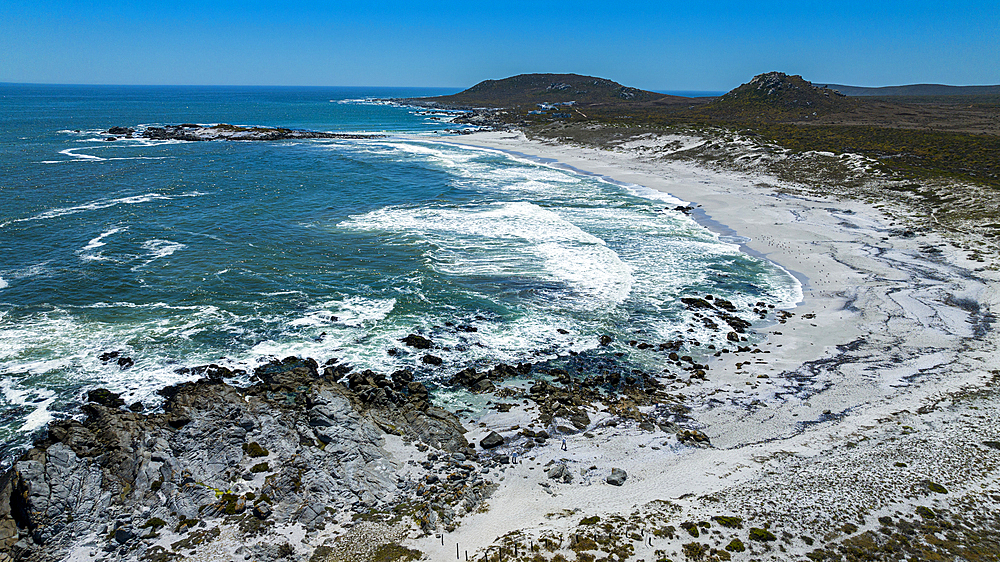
<point x="3" y="285"/>
<point x="87" y="252"/>
<point x="103" y="204"/>
<point x="75" y="157"/>
<point x="519" y="240"/>
<point x="156" y="249"/>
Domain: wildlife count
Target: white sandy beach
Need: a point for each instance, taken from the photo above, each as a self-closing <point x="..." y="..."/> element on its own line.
<point x="809" y="433"/>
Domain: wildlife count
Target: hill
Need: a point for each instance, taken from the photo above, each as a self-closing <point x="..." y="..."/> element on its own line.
<point x="915" y="90"/>
<point x="776" y="96"/>
<point x="532" y="89"/>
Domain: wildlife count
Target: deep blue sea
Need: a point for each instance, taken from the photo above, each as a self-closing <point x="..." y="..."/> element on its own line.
<point x="186" y="253"/>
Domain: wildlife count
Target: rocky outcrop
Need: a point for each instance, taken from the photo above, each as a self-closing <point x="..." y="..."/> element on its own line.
<point x="222" y="131"/>
<point x="292" y="448"/>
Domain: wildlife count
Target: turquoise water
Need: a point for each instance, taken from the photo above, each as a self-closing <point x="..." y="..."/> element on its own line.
<point x="178" y="254"/>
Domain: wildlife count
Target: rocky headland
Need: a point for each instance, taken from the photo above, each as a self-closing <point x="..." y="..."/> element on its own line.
<point x="223" y="131"/>
<point x="324" y="452"/>
<point x="294" y="449"/>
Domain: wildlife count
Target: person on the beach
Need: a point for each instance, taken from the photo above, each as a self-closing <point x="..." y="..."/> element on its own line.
<point x="513" y="458"/>
<point x="564" y="444"/>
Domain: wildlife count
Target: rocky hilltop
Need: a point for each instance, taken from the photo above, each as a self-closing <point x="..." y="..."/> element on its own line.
<point x="532" y="89"/>
<point x="776" y="96"/>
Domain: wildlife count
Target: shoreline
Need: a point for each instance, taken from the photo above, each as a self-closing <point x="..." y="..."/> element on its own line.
<point x="821" y="392"/>
<point x="870" y="402"/>
<point x="693" y="208"/>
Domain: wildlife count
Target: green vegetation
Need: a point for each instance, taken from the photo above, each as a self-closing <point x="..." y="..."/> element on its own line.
<point x="905" y="152"/>
<point x="260" y="467"/>
<point x="395" y="553"/>
<point x="735" y="545"/>
<point x="695" y="550"/>
<point x="254" y="450"/>
<point x="758" y="534"/>
<point x="936" y="488"/>
<point x="691" y="528"/>
<point x="590" y="520"/>
<point x="154" y="522"/>
<point x="731" y="522"/>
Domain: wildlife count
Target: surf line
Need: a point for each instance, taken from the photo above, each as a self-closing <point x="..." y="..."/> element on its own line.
<point x="697" y="213"/>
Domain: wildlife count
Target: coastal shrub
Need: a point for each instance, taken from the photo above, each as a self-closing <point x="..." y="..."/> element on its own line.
<point x="691" y="528"/>
<point x="254" y="449"/>
<point x="395" y="553"/>
<point x="936" y="488"/>
<point x="695" y="550"/>
<point x="926" y="512"/>
<point x="154" y="522"/>
<point x="735" y="545"/>
<point x="731" y="522"/>
<point x="758" y="534"/>
<point x="590" y="520"/>
<point x="585" y="543"/>
<point x="260" y="467"/>
<point x="849" y="528"/>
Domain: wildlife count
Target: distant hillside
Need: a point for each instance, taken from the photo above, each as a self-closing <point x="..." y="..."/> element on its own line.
<point x="532" y="89"/>
<point x="776" y="96"/>
<point x="915" y="90"/>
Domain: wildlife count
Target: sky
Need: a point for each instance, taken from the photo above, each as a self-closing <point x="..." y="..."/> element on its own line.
<point x="664" y="45"/>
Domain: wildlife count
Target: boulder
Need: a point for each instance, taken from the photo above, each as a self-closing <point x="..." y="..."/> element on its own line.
<point x="418" y="342"/>
<point x="474" y="381"/>
<point x="617" y="477"/>
<point x="105" y="398"/>
<point x="492" y="441"/>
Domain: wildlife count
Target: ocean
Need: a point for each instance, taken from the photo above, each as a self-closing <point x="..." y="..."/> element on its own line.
<point x="176" y="254"/>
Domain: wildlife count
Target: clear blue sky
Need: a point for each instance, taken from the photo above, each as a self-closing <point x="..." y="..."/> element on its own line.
<point x="689" y="45"/>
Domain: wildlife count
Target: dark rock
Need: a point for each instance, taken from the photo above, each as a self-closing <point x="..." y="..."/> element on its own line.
<point x="262" y="511"/>
<point x="401" y="378"/>
<point x="693" y="437"/>
<point x="108" y="356"/>
<point x="216" y="373"/>
<point x="617" y="477"/>
<point x="105" y="398"/>
<point x="125" y="362"/>
<point x="492" y="440"/>
<point x="606" y="340"/>
<point x="470" y="379"/>
<point x="733" y="337"/>
<point x="694" y="303"/>
<point x="122" y="536"/>
<point x="419" y="342"/>
<point x="432" y="360"/>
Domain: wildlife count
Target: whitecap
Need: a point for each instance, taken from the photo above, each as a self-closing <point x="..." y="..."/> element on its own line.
<point x="87" y="252"/>
<point x="3" y="283"/>
<point x="517" y="240"/>
<point x="39" y="417"/>
<point x="71" y="152"/>
<point x="104" y="204"/>
<point x="156" y="249"/>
